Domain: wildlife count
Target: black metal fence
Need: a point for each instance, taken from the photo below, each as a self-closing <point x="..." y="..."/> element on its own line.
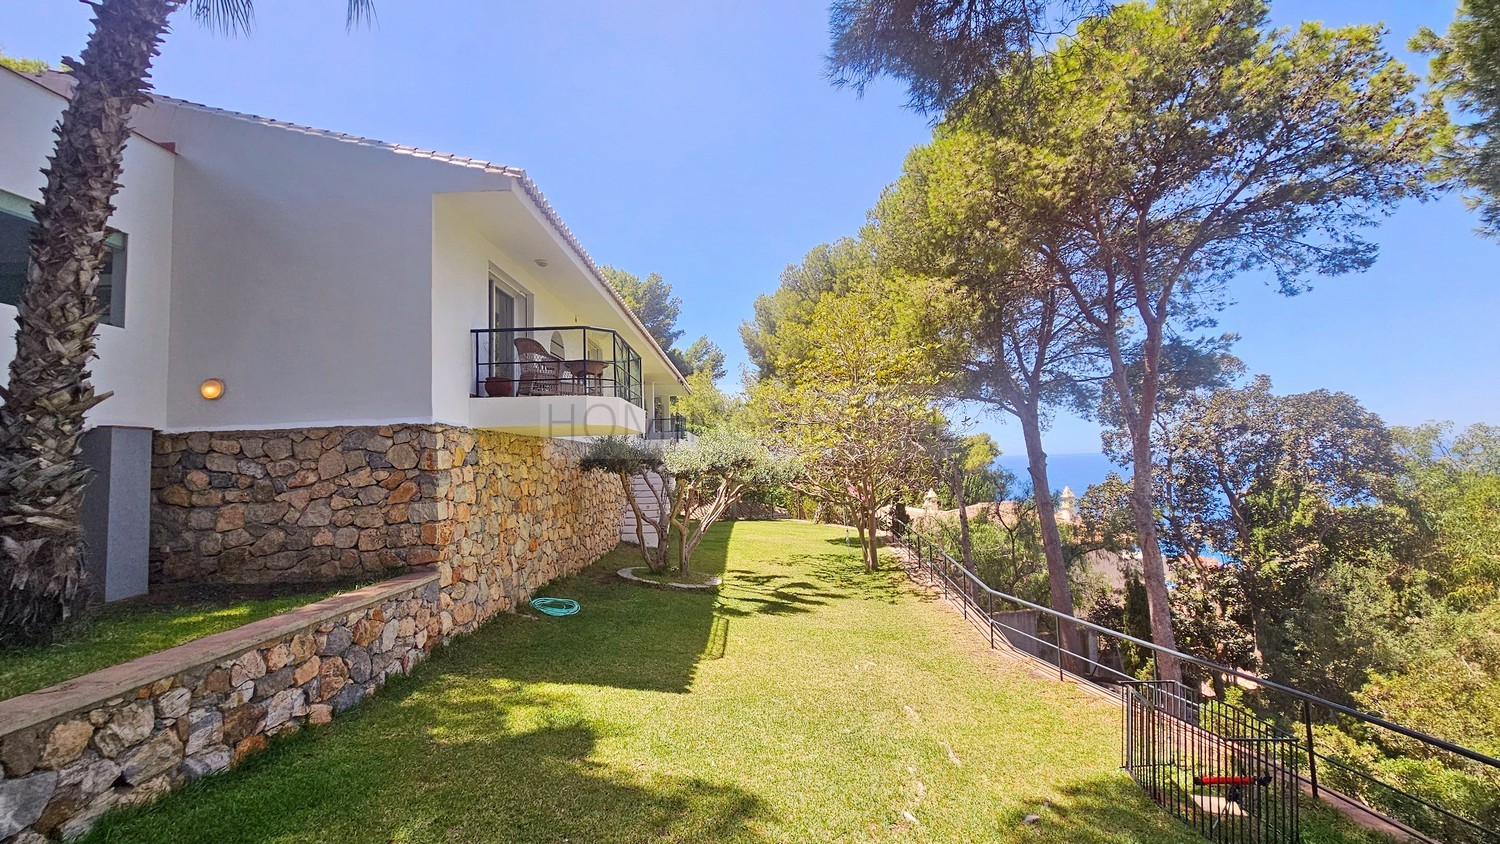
<point x="672" y="428"/>
<point x="1220" y="769"/>
<point x="1035" y="630"/>
<point x="559" y="360"/>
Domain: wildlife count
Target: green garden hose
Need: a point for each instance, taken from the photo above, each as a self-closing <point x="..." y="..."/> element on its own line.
<point x="555" y="606"/>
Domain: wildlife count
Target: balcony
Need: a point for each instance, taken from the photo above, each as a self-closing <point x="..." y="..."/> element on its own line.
<point x="556" y="381"/>
<point x="669" y="428"/>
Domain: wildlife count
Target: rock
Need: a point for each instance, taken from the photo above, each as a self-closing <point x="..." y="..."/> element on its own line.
<point x="155" y="756"/>
<point x="358" y="660"/>
<point x="403" y="493"/>
<point x="303" y="646"/>
<point x="1031" y="820"/>
<point x="283" y="707"/>
<point x="215" y="682"/>
<point x="240" y="696"/>
<point x="130" y="725"/>
<point x="387" y="636"/>
<point x="339" y="638"/>
<point x="66" y="743"/>
<point x="210" y="761"/>
<point x="333" y="675"/>
<point x="90" y="778"/>
<point x="306" y="671"/>
<point x="220" y="463"/>
<point x="302" y="478"/>
<point x="317" y="514"/>
<point x="252" y="744"/>
<point x="330" y="465"/>
<point x="319" y="713"/>
<point x="278" y="656"/>
<point x="367" y="631"/>
<point x="348" y="696"/>
<point x="205" y="728"/>
<point x="243" y="722"/>
<point x="21" y="752"/>
<point x="401" y="456"/>
<point x="250" y="666"/>
<point x="22" y="800"/>
<point x="80" y="823"/>
<point x="266" y="513"/>
<point x="274" y="682"/>
<point x="173" y="704"/>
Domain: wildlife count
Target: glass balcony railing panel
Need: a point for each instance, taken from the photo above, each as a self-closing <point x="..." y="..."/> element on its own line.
<point x="568" y="360"/>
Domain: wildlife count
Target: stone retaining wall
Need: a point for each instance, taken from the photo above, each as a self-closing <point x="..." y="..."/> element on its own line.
<point x="125" y="735"/>
<point x="330" y="503"/>
<point x="484" y="518"/>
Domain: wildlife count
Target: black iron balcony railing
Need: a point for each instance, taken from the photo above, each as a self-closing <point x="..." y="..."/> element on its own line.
<point x="570" y="360"/>
<point x="667" y="428"/>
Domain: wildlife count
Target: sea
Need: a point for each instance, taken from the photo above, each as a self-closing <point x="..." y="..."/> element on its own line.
<point x="1078" y="471"/>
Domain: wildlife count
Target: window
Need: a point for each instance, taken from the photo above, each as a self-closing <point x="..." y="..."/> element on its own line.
<point x="558" y="349"/>
<point x="16" y="224"/>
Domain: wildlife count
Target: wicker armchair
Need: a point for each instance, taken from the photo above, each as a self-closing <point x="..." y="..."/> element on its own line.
<point x="542" y="373"/>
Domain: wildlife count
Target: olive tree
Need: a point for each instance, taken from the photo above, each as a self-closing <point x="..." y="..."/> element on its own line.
<point x="629" y="459"/>
<point x="710" y="474"/>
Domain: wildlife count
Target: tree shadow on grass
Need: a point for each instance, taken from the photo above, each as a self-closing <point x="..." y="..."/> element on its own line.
<point x="460" y="756"/>
<point x="848" y="575"/>
<point x="625" y="635"/>
<point x="752" y="594"/>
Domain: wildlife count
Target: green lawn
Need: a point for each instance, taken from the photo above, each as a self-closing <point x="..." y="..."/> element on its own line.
<point x="807" y="702"/>
<point x="119" y="632"/>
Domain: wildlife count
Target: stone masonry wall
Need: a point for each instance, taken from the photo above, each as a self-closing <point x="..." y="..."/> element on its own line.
<point x="481" y="520"/>
<point x="330" y="503"/>
<point x="495" y="518"/>
<point x="125" y="735"/>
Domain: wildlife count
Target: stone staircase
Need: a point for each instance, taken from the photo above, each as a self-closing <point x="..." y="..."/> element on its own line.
<point x="647" y="488"/>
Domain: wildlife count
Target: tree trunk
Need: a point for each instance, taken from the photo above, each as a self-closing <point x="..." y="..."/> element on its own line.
<point x="873" y="560"/>
<point x="655" y="558"/>
<point x="1153" y="564"/>
<point x="42" y="480"/>
<point x="963" y="517"/>
<point x="1058" y="587"/>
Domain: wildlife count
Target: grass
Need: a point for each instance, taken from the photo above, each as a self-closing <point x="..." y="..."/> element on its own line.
<point x="697" y="578"/>
<point x="122" y="631"/>
<point x="806" y="702"/>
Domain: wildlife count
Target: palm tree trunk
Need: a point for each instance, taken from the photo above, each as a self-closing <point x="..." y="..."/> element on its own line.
<point x="42" y="480"/>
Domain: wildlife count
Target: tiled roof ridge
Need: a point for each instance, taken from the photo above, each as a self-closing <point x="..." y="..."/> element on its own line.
<point x="530" y="187"/>
<point x="404" y="149"/>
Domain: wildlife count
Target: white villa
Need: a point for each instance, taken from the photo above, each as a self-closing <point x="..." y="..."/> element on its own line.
<point x="282" y="299"/>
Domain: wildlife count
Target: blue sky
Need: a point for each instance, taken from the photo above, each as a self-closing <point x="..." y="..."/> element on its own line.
<point x="700" y="140"/>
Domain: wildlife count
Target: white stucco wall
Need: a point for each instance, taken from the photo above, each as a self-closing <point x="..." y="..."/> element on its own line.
<point x="302" y="274"/>
<point x="132" y="359"/>
<point x="326" y="281"/>
<point x="462" y="260"/>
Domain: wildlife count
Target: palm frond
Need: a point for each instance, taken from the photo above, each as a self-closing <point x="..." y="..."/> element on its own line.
<point x="233" y="17"/>
<point x="361" y="13"/>
<point x="230" y="17"/>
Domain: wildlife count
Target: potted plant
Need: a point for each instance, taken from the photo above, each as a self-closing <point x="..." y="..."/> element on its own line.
<point x="499" y="386"/>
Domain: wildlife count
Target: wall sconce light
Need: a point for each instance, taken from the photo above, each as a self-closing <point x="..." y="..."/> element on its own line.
<point x="211" y="389"/>
<point x="542" y="262"/>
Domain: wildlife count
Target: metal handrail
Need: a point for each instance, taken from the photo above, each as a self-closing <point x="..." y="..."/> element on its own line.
<point x="1308" y="699"/>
